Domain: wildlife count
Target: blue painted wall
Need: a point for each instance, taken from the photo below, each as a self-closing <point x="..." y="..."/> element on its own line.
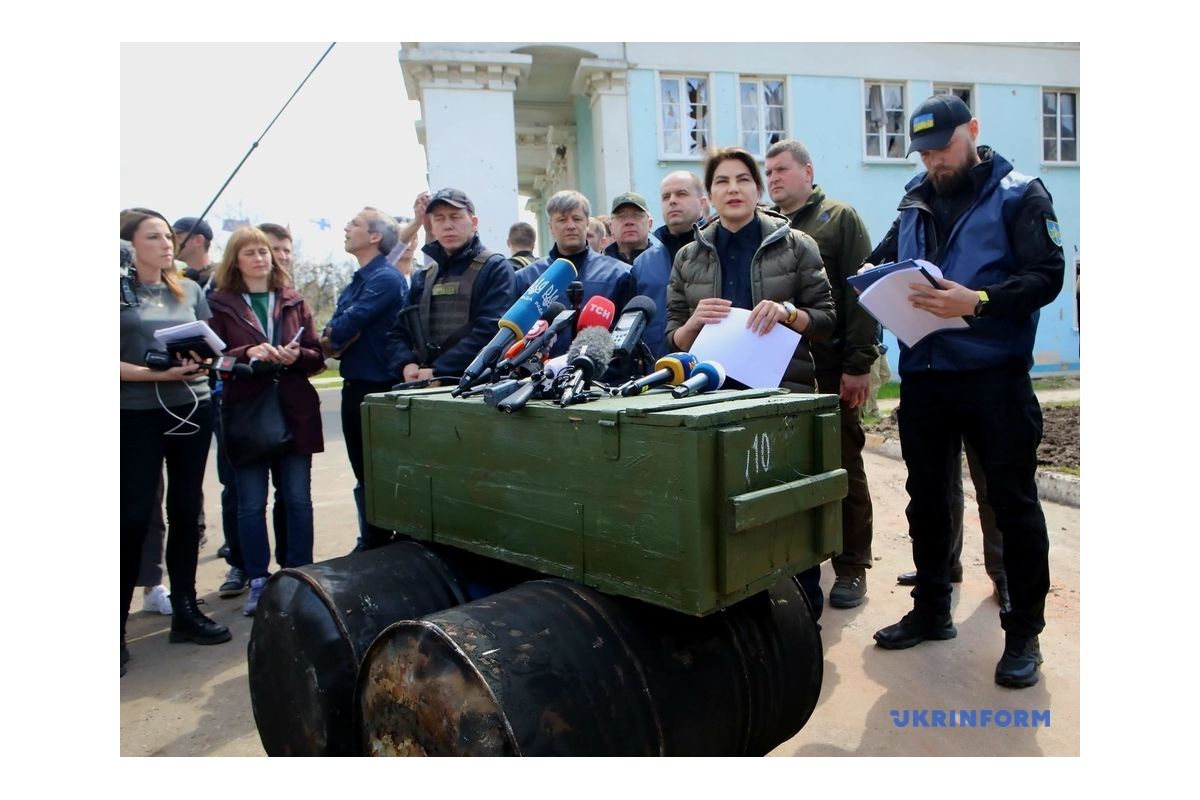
<point x="826" y="113"/>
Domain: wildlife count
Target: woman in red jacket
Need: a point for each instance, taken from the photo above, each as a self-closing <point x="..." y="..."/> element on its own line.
<point x="253" y="307"/>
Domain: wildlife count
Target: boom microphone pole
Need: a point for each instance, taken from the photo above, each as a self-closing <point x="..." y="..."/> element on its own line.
<point x="252" y="148"/>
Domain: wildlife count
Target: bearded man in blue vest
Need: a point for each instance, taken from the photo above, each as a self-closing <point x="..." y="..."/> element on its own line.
<point x="993" y="233"/>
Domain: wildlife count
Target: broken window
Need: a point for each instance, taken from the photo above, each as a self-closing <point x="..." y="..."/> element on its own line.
<point x="886" y="128"/>
<point x="685" y="115"/>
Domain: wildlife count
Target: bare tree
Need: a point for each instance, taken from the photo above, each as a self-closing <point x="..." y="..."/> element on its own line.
<point x="321" y="282"/>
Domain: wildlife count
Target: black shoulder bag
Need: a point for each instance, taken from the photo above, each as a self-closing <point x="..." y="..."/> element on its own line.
<point x="255" y="430"/>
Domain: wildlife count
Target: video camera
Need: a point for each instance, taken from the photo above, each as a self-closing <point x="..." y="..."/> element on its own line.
<point x="128" y="295"/>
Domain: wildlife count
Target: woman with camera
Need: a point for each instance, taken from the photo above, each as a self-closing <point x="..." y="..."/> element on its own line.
<point x="267" y="324"/>
<point x="165" y="416"/>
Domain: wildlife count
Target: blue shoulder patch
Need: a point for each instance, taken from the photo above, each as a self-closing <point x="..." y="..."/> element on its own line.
<point x="1055" y="233"/>
<point x="824" y="217"/>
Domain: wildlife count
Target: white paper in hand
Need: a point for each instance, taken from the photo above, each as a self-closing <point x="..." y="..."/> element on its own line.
<point x="887" y="301"/>
<point x="757" y="361"/>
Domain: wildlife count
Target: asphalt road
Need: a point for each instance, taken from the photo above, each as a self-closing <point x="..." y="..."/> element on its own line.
<point x="184" y="699"/>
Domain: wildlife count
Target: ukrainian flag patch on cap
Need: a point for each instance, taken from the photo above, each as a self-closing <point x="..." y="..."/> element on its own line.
<point x="1055" y="233"/>
<point x="921" y="123"/>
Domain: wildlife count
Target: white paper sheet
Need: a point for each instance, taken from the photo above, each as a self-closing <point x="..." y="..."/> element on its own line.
<point x="887" y="301"/>
<point x="757" y="361"/>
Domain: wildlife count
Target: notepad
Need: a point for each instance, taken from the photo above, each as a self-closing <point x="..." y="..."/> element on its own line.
<point x="884" y="294"/>
<point x="167" y="337"/>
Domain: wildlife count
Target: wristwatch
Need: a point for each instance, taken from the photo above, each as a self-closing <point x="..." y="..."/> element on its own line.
<point x="792" y="312"/>
<point x="982" y="305"/>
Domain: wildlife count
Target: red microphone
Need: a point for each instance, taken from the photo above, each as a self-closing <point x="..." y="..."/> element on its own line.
<point x="598" y="313"/>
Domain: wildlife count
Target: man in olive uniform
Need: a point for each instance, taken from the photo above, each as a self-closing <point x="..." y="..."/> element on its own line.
<point x="459" y="299"/>
<point x="844" y="361"/>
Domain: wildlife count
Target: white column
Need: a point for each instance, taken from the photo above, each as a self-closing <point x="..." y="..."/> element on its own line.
<point x="603" y="83"/>
<point x="469" y="129"/>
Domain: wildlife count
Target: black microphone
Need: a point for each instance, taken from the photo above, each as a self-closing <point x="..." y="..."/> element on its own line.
<point x="575" y="294"/>
<point x="538" y="349"/>
<point x="559" y="316"/>
<point x="588" y="358"/>
<point x="517" y="400"/>
<point x="632" y="324"/>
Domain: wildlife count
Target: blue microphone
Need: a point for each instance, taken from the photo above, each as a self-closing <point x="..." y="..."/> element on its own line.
<point x="706" y="376"/>
<point x="522" y="316"/>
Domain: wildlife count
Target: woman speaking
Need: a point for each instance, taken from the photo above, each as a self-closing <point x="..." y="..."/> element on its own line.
<point x="749" y="258"/>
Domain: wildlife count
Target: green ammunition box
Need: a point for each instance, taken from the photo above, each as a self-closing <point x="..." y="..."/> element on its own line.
<point x="689" y="504"/>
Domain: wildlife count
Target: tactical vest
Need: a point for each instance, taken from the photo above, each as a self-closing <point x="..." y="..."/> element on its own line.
<point x="446" y="305"/>
<point x="977" y="253"/>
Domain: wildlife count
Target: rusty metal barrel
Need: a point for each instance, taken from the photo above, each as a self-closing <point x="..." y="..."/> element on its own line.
<point x="314" y="623"/>
<point x="551" y="667"/>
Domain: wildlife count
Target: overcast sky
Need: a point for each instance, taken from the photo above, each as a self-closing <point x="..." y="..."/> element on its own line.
<point x="190" y="112"/>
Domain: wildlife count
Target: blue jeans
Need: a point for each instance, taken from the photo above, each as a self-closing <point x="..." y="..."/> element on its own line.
<point x="294" y="478"/>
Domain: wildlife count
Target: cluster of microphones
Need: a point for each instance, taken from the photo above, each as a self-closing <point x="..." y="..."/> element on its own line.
<point x="515" y="366"/>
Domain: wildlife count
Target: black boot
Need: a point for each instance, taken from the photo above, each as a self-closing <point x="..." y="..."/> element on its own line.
<point x="915" y="628"/>
<point x="1018" y="667"/>
<point x="188" y="624"/>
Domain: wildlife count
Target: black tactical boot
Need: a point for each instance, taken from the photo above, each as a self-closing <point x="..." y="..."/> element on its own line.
<point x="915" y="628"/>
<point x="188" y="624"/>
<point x="1018" y="667"/>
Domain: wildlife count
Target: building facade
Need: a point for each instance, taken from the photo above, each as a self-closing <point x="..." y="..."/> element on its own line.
<point x="502" y="120"/>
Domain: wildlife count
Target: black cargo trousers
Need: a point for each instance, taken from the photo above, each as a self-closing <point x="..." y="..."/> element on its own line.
<point x="857" y="512"/>
<point x="997" y="413"/>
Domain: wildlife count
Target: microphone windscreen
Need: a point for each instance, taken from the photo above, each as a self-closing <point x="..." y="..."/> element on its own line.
<point x="598" y="312"/>
<point x="538" y="298"/>
<point x="595" y="344"/>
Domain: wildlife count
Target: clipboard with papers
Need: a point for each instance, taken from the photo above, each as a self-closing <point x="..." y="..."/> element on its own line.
<point x="883" y="292"/>
<point x="180" y="340"/>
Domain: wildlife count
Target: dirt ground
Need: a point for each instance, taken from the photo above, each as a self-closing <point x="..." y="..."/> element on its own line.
<point x="182" y="699"/>
<point x="1059" y="450"/>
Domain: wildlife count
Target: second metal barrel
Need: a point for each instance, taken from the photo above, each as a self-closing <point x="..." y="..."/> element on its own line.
<point x="314" y="623"/>
<point x="554" y="668"/>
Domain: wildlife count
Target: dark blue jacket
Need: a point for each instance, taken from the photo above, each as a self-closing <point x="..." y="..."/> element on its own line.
<point x="366" y="309"/>
<point x="977" y="252"/>
<point x="491" y="296"/>
<point x="601" y="275"/>
<point x="675" y="243"/>
<point x="651" y="271"/>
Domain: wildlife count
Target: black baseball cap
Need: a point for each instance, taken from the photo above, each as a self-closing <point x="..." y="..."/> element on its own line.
<point x="184" y="225"/>
<point x="451" y="197"/>
<point x="932" y="124"/>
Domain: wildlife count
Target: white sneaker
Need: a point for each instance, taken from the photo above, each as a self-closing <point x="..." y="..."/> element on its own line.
<point x="158" y="599"/>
